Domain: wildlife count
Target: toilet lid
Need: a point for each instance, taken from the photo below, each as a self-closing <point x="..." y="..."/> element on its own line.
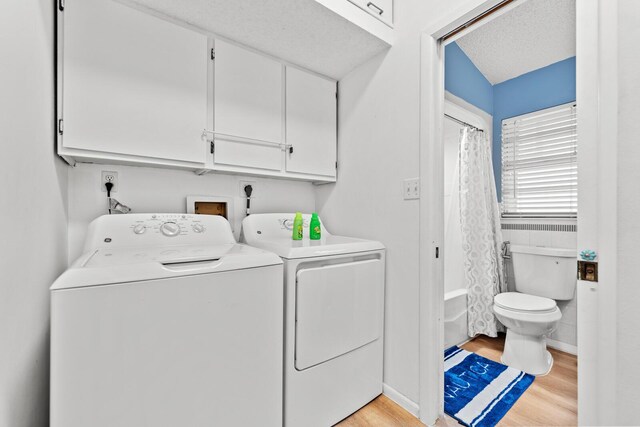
<point x="524" y="302"/>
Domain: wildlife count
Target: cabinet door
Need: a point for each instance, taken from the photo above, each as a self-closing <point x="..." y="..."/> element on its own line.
<point x="248" y="108"/>
<point x="133" y="84"/>
<point x="311" y="123"/>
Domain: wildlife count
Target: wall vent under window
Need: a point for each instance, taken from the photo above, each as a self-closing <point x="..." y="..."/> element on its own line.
<point x="541" y="227"/>
<point x="539" y="164"/>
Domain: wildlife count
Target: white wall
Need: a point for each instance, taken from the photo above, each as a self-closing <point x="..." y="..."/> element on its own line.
<point x="33" y="188"/>
<point x="165" y="190"/>
<point x="453" y="254"/>
<point x="378" y="147"/>
<point x="628" y="235"/>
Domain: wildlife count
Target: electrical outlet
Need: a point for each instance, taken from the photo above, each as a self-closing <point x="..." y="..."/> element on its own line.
<point x="243" y="184"/>
<point x="112" y="177"/>
<point x="411" y="188"/>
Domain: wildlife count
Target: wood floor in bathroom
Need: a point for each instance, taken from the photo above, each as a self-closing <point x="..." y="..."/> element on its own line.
<point x="551" y="400"/>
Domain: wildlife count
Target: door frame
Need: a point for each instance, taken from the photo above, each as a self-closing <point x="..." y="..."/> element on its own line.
<point x="597" y="98"/>
<point x="596" y="25"/>
<point x="468" y="113"/>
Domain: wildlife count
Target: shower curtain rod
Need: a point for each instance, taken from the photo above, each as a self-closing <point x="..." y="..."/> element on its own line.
<point x="463" y="123"/>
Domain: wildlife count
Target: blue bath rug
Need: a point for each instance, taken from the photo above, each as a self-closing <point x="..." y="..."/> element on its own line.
<point x="479" y="391"/>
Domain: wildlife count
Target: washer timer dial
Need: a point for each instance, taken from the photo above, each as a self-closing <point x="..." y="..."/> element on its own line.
<point x="170" y="229"/>
<point x="139" y="229"/>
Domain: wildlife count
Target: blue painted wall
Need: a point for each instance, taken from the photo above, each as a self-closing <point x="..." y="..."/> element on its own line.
<point x="464" y="80"/>
<point x="543" y="88"/>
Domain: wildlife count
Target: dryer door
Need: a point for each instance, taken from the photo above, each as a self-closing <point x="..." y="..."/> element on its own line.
<point x="339" y="308"/>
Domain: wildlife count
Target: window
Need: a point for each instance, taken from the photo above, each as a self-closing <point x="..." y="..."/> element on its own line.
<point x="539" y="164"/>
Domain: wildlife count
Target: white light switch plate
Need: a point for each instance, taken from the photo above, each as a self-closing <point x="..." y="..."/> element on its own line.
<point x="411" y="188"/>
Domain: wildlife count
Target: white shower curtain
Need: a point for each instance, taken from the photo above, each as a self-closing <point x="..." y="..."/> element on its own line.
<point x="481" y="235"/>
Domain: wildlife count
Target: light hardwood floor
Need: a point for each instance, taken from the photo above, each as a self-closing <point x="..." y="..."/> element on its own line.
<point x="551" y="400"/>
<point x="381" y="412"/>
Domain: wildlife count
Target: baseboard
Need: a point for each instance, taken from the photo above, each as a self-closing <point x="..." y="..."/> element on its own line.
<point x="465" y="341"/>
<point x="401" y="400"/>
<point x="558" y="345"/>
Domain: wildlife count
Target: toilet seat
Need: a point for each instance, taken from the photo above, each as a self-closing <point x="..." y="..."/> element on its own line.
<point x="524" y="303"/>
<point x="526" y="308"/>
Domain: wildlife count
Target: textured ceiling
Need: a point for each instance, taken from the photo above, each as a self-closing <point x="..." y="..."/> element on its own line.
<point x="530" y="36"/>
<point x="302" y="32"/>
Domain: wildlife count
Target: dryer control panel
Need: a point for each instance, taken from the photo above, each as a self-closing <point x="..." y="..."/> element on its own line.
<point x="154" y="229"/>
<point x="276" y="225"/>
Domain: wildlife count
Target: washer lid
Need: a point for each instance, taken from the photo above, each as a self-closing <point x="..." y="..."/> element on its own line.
<point x="121" y="265"/>
<point x="524" y="302"/>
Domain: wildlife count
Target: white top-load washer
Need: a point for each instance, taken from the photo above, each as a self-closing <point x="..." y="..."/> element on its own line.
<point x="334" y="316"/>
<point x="166" y="321"/>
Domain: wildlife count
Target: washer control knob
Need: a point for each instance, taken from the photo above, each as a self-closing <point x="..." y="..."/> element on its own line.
<point x="139" y="229"/>
<point x="198" y="228"/>
<point x="170" y="229"/>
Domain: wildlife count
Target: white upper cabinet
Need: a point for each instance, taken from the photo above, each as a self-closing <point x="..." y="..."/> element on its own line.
<point x="134" y="87"/>
<point x="310" y="123"/>
<point x="248" y="108"/>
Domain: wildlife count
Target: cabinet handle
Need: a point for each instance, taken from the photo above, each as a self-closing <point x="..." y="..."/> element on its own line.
<point x="371" y="5"/>
<point x="240" y="139"/>
<point x="243" y="140"/>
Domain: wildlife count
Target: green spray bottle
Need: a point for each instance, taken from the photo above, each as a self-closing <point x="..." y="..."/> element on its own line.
<point x="298" y="227"/>
<point x="315" y="231"/>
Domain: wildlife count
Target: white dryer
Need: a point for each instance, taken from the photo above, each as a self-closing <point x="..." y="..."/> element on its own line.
<point x="167" y="321"/>
<point x="334" y="317"/>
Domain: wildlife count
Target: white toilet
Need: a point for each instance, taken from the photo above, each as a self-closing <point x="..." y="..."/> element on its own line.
<point x="541" y="275"/>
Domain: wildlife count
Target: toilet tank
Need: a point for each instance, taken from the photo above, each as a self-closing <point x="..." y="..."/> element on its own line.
<point x="545" y="272"/>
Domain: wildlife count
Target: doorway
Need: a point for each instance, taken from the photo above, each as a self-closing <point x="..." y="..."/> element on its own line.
<point x="432" y="307"/>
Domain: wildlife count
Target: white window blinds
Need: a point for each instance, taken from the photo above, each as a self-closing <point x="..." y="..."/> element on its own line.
<point x="539" y="164"/>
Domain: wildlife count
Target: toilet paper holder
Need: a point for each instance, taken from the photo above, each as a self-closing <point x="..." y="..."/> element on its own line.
<point x="588" y="271"/>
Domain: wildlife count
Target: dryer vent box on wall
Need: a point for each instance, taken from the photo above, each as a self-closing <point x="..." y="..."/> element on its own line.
<point x="211" y="208"/>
